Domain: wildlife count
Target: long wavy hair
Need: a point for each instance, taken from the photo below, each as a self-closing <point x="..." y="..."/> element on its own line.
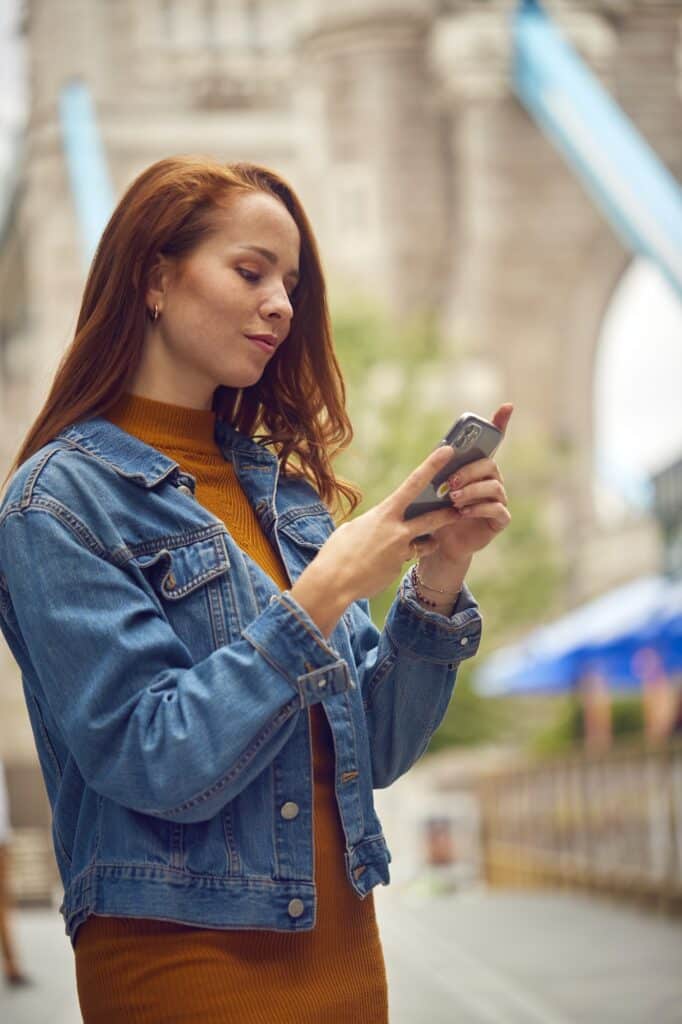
<point x="299" y="404"/>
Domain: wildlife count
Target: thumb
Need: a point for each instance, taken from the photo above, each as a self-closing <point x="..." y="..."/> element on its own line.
<point x="501" y="418"/>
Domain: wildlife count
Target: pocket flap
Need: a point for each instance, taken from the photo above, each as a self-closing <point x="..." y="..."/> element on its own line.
<point x="177" y="571"/>
<point x="309" y="528"/>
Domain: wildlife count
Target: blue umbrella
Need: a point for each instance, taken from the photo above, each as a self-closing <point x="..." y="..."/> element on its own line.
<point x="606" y="635"/>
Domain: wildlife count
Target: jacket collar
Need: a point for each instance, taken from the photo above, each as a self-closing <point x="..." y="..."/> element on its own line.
<point x="147" y="466"/>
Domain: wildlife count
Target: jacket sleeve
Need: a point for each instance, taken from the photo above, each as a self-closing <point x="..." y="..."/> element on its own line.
<point x="148" y="727"/>
<point x="407" y="674"/>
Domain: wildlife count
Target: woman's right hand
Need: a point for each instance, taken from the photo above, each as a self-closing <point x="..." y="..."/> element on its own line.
<point x="363" y="556"/>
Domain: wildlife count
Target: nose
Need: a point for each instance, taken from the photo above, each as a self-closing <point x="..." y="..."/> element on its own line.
<point x="278" y="303"/>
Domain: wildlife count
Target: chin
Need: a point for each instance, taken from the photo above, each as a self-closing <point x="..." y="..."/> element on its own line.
<point x="241" y="380"/>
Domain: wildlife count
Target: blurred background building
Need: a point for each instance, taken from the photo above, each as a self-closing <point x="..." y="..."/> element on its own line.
<point x="429" y="186"/>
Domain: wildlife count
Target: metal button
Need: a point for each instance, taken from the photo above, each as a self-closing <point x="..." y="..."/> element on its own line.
<point x="296" y="908"/>
<point x="184" y="489"/>
<point x="464" y="641"/>
<point x="289" y="810"/>
<point x="169" y="581"/>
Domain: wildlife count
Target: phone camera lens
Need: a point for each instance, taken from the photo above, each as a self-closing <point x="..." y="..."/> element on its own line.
<point x="468" y="436"/>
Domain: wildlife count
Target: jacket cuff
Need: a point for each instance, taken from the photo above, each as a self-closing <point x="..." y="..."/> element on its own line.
<point x="288" y="639"/>
<point x="430" y="635"/>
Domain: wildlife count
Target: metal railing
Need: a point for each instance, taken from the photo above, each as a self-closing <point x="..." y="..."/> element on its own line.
<point x="608" y="821"/>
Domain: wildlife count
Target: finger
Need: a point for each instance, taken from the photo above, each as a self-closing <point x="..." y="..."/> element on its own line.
<point x="493" y="510"/>
<point x="480" y="469"/>
<point x="484" y="489"/>
<point x="430" y="522"/>
<point x="501" y="418"/>
<point x="415" y="483"/>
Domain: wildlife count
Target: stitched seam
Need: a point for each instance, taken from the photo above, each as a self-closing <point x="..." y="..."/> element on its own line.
<point x="269" y="657"/>
<point x="64" y="515"/>
<point x="27" y="492"/>
<point x="46" y="738"/>
<point x="121" y="869"/>
<point x="440" y="629"/>
<point x="305" y="625"/>
<point x="135" y="477"/>
<point x="243" y="762"/>
<point x="207" y="574"/>
<point x="318" y="510"/>
<point x="180" y="540"/>
<point x="407" y="652"/>
<point x="380" y="672"/>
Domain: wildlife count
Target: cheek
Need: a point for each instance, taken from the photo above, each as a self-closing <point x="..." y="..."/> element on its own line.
<point x="219" y="297"/>
<point x="205" y="307"/>
<point x="199" y="306"/>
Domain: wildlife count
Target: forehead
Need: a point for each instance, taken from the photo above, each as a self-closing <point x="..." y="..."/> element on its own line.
<point x="254" y="218"/>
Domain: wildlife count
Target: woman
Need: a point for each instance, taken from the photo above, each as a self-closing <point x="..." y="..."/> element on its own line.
<point x="12" y="972"/>
<point x="211" y="703"/>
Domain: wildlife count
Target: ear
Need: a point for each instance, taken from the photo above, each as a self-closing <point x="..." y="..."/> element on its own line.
<point x="158" y="281"/>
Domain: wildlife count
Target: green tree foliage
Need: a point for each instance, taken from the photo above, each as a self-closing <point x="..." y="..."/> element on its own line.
<point x="567" y="731"/>
<point x="399" y="414"/>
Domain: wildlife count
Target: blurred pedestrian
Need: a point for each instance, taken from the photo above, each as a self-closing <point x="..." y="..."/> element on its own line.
<point x="214" y="706"/>
<point x="12" y="973"/>
<point x="597" y="711"/>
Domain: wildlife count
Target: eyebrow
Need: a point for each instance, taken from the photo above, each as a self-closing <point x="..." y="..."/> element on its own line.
<point x="271" y="257"/>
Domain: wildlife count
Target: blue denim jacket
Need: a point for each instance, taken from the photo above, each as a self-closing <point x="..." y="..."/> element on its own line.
<point x="168" y="678"/>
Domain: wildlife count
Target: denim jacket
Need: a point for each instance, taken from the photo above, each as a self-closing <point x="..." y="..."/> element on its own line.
<point x="167" y="680"/>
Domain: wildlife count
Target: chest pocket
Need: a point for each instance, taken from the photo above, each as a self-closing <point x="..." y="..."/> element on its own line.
<point x="190" y="583"/>
<point x="308" y="528"/>
<point x="302" y="532"/>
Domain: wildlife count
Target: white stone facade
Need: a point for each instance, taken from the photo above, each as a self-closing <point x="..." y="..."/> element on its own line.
<point x="428" y="185"/>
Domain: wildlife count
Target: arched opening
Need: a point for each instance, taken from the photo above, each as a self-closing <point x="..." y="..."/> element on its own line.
<point x="637" y="406"/>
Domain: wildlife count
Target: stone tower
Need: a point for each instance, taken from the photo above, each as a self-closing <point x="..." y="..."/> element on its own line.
<point x="428" y="184"/>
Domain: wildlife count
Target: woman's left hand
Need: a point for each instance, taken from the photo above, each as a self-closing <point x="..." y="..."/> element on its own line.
<point x="482" y="501"/>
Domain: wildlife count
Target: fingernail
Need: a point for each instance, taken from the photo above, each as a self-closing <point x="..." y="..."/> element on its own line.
<point x="455" y="482"/>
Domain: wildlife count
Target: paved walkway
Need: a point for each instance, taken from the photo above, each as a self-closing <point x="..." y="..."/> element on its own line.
<point x="480" y="957"/>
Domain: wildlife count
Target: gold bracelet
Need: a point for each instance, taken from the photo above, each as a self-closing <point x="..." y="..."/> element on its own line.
<point x="421" y="596"/>
<point x="420" y="581"/>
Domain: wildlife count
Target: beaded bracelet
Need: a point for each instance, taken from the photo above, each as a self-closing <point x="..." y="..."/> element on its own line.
<point x="418" y="583"/>
<point x="438" y="590"/>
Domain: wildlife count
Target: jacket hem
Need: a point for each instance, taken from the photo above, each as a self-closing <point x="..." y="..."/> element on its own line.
<point x="204" y="901"/>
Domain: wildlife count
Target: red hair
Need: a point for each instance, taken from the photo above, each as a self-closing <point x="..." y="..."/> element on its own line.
<point x="297" y="406"/>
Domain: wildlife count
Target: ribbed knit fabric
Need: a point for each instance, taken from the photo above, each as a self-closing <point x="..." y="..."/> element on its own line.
<point x="153" y="972"/>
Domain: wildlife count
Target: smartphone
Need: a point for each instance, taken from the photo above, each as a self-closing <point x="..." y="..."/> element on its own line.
<point x="470" y="438"/>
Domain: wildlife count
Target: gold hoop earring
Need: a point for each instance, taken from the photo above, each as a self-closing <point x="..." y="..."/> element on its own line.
<point x="155" y="314"/>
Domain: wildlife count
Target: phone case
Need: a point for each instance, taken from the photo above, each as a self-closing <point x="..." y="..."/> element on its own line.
<point x="471" y="438"/>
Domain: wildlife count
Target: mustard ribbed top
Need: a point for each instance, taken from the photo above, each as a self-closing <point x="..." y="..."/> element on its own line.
<point x="145" y="971"/>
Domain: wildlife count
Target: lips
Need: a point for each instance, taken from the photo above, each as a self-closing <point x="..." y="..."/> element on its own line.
<point x="267" y="339"/>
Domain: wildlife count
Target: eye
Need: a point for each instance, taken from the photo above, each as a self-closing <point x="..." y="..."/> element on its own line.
<point x="248" y="275"/>
<point x="254" y="278"/>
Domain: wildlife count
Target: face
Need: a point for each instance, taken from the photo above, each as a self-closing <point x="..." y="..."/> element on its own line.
<point x="236" y="283"/>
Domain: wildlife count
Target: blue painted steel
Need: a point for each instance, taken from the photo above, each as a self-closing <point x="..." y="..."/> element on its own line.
<point x="87" y="166"/>
<point x="606" y="635"/>
<point x="621" y="172"/>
